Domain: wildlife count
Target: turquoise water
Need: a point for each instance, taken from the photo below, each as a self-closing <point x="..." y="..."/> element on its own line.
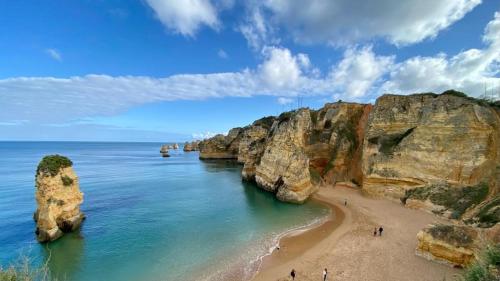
<point x="148" y="217"/>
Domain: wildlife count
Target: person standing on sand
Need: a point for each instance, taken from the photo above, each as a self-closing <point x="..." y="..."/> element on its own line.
<point x="293" y="274"/>
<point x="375" y="231"/>
<point x="345" y="202"/>
<point x="380" y="229"/>
<point x="325" y="273"/>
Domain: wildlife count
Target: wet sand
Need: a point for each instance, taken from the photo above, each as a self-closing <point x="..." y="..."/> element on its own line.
<point x="346" y="246"/>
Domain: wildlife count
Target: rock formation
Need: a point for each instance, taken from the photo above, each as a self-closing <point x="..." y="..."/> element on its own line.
<point x="222" y="147"/>
<point x="58" y="198"/>
<point x="164" y="148"/>
<point x="450" y="244"/>
<point x="435" y="152"/>
<point x="175" y="146"/>
<point x="191" y="146"/>
<point x="429" y="140"/>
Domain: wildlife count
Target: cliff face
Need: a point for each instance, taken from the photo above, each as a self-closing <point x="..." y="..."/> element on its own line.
<point x="284" y="166"/>
<point x="222" y="147"/>
<point x="436" y="152"/>
<point x="334" y="145"/>
<point x="252" y="145"/>
<point x="422" y="140"/>
<point x="191" y="146"/>
<point x="58" y="199"/>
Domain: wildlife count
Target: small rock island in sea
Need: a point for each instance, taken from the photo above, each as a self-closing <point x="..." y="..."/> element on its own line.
<point x="58" y="198"/>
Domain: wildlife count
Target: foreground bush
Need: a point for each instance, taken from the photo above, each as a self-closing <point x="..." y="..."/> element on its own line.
<point x="486" y="268"/>
<point x="24" y="271"/>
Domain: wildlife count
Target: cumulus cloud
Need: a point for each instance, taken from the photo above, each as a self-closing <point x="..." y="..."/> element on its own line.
<point x="360" y="75"/>
<point x="53" y="53"/>
<point x="470" y="70"/>
<point x="346" y="21"/>
<point x="187" y="16"/>
<point x="359" y="71"/>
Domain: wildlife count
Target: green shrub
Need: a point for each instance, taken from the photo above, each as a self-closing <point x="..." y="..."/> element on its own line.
<point x="314" y="116"/>
<point x="51" y="164"/>
<point x="67" y="181"/>
<point x="452" y="92"/>
<point x="455" y="235"/>
<point x="455" y="199"/>
<point x="489" y="214"/>
<point x="486" y="268"/>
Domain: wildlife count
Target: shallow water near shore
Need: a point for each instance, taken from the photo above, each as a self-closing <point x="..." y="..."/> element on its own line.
<point x="148" y="217"/>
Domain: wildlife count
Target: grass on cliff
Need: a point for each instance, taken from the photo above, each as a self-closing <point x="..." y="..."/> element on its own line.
<point x="67" y="181"/>
<point x="455" y="199"/>
<point x="489" y="214"/>
<point x="455" y="235"/>
<point x="51" y="164"/>
<point x="486" y="268"/>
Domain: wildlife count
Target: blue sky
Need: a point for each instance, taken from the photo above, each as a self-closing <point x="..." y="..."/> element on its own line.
<point x="166" y="70"/>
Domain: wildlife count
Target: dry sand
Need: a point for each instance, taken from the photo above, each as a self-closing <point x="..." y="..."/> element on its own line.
<point x="347" y="248"/>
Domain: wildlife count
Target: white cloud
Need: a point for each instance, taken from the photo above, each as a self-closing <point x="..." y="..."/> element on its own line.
<point x="222" y="54"/>
<point x="360" y="75"/>
<point x="187" y="16"/>
<point x="204" y="135"/>
<point x="352" y="21"/>
<point x="256" y="29"/>
<point x="53" y="53"/>
<point x="284" y="101"/>
<point x="281" y="69"/>
<point x="470" y="70"/>
<point x="359" y="71"/>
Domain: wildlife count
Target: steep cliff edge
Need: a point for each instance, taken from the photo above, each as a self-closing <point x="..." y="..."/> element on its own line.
<point x="432" y="148"/>
<point x="58" y="198"/>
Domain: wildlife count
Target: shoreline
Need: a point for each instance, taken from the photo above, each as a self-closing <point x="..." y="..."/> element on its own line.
<point x="346" y="246"/>
<point x="297" y="241"/>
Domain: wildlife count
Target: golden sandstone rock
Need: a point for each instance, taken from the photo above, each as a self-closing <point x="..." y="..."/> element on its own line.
<point x="449" y="244"/>
<point x="58" y="199"/>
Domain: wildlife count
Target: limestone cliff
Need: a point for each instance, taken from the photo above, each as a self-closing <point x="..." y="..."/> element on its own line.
<point x="191" y="146"/>
<point x="450" y="244"/>
<point x="222" y="147"/>
<point x="252" y="145"/>
<point x="436" y="152"/>
<point x="58" y="198"/>
<point x="284" y="165"/>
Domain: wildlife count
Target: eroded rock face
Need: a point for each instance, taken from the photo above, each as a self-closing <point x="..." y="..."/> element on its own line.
<point x="222" y="147"/>
<point x="58" y="198"/>
<point x="449" y="244"/>
<point x="429" y="140"/>
<point x="191" y="146"/>
<point x="252" y="145"/>
<point x="335" y="142"/>
<point x="284" y="166"/>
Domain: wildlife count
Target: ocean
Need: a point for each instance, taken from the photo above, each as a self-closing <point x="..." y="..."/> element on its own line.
<point x="148" y="217"/>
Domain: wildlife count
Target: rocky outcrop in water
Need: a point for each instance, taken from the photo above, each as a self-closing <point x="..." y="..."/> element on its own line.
<point x="221" y="146"/>
<point x="164" y="148"/>
<point x="191" y="146"/>
<point x="175" y="146"/>
<point x="58" y="198"/>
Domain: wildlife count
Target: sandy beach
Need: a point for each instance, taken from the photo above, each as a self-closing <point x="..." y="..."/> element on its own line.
<point x="345" y="244"/>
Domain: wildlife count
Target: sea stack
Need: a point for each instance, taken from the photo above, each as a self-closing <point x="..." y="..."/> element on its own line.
<point x="164" y="148"/>
<point x="58" y="198"/>
<point x="176" y="146"/>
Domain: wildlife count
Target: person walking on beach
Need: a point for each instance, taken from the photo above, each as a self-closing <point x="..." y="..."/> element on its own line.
<point x="325" y="273"/>
<point x="345" y="202"/>
<point x="293" y="274"/>
<point x="375" y="231"/>
<point x="380" y="229"/>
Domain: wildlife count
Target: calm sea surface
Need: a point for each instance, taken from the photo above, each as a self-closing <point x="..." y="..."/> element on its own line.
<point x="148" y="217"/>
